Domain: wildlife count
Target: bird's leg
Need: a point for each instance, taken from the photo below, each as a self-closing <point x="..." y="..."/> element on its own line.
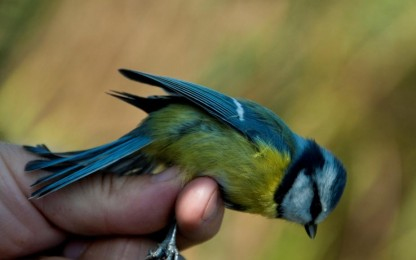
<point x="166" y="250"/>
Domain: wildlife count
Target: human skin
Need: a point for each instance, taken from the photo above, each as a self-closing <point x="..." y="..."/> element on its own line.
<point x="102" y="215"/>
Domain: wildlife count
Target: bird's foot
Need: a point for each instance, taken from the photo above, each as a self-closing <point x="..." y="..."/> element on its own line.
<point x="166" y="250"/>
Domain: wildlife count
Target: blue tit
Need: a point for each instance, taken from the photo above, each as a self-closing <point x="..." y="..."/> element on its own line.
<point x="260" y="165"/>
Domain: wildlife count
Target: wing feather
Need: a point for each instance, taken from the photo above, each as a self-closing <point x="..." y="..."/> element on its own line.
<point x="239" y="114"/>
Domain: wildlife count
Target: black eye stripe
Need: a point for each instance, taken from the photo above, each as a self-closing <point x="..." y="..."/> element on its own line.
<point x="316" y="206"/>
<point x="310" y="160"/>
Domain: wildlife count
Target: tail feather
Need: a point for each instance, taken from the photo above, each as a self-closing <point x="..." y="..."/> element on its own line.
<point x="61" y="159"/>
<point x="57" y="174"/>
<point x="45" y="165"/>
<point x="41" y="150"/>
<point x="69" y="167"/>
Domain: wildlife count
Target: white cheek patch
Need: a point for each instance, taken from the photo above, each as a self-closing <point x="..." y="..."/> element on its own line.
<point x="296" y="204"/>
<point x="325" y="179"/>
<point x="239" y="110"/>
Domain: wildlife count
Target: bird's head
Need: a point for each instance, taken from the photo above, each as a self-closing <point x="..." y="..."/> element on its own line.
<point x="311" y="188"/>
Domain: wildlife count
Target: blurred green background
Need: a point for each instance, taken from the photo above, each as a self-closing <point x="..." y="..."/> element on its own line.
<point x="342" y="72"/>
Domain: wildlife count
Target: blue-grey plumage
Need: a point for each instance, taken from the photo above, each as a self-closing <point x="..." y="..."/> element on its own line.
<point x="261" y="165"/>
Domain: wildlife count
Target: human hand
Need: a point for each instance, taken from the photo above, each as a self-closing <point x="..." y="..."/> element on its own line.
<point x="102" y="216"/>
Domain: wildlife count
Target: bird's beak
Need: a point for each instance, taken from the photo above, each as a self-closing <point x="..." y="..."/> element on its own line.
<point x="311" y="230"/>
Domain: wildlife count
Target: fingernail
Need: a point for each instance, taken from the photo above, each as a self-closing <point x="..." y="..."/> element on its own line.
<point x="166" y="175"/>
<point x="212" y="206"/>
<point x="75" y="249"/>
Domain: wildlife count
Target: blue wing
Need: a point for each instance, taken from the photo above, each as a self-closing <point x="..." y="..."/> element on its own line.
<point x="252" y="120"/>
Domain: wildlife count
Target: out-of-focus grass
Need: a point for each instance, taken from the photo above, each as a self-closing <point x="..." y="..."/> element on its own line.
<point x="343" y="72"/>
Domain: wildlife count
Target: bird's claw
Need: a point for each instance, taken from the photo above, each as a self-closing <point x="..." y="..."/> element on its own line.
<point x="166" y="250"/>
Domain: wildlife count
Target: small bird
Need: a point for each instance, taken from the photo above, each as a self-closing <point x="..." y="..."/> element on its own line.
<point x="260" y="165"/>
